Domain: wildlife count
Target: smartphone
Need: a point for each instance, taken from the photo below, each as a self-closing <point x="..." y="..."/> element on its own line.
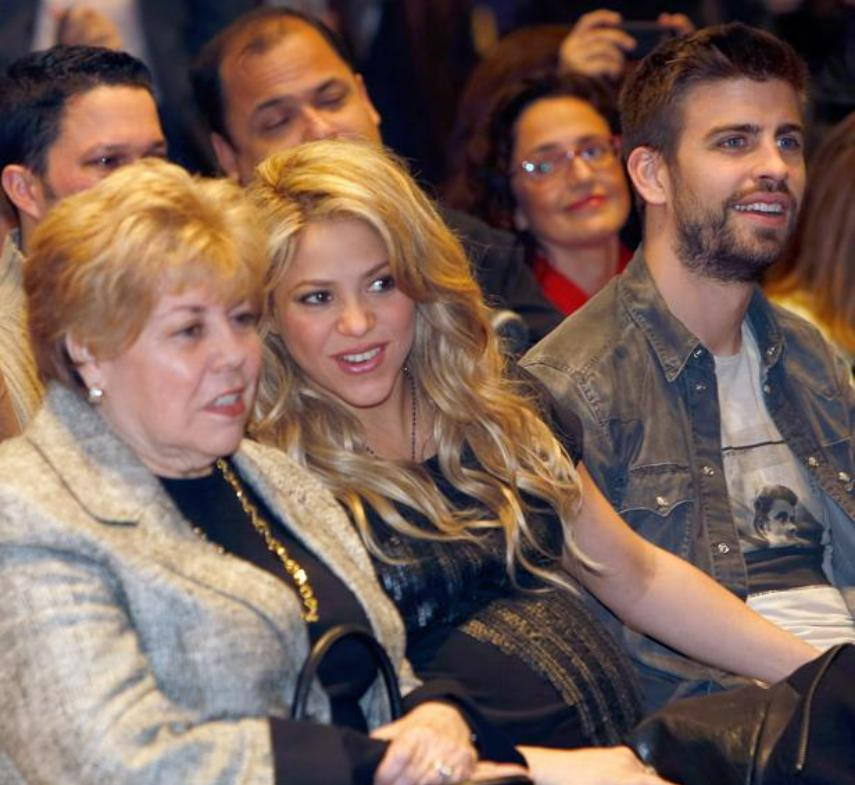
<point x="513" y="779"/>
<point x="647" y="35"/>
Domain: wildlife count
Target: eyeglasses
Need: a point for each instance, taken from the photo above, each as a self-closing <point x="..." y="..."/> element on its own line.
<point x="596" y="153"/>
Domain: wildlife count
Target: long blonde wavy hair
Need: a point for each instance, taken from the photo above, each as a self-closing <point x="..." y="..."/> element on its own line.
<point x="455" y="361"/>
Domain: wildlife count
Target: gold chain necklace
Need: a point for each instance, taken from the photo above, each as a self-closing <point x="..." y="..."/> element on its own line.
<point x="293" y="568"/>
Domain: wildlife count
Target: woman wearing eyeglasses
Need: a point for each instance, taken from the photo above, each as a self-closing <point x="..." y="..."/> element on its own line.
<point x="547" y="165"/>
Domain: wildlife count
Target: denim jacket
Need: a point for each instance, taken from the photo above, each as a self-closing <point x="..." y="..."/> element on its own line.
<point x="645" y="390"/>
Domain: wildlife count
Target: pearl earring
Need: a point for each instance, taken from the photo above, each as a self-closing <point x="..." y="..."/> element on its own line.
<point x="95" y="395"/>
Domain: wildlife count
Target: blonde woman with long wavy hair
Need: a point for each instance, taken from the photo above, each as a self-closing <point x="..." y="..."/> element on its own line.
<point x="382" y="374"/>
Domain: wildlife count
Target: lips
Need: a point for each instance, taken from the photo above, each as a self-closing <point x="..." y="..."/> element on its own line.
<point x="228" y="404"/>
<point x="767" y="206"/>
<point x="361" y="359"/>
<point x="588" y="202"/>
<point x="771" y="208"/>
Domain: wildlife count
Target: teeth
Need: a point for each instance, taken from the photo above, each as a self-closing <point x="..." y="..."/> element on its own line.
<point x="760" y="207"/>
<point x="362" y="356"/>
<point x="227" y="400"/>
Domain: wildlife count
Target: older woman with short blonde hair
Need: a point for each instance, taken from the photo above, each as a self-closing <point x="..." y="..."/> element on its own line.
<point x="162" y="578"/>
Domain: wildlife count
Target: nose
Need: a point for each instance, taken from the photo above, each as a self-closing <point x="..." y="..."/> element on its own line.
<point x="578" y="168"/>
<point x="356" y="318"/>
<point x="235" y="346"/>
<point x="316" y="125"/>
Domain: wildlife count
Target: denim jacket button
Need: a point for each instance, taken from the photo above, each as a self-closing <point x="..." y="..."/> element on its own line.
<point x="708" y="471"/>
<point x="812" y="462"/>
<point x="698" y="353"/>
<point x="700" y="387"/>
<point x="722" y="547"/>
<point x="843" y="477"/>
<point x="767" y="389"/>
<point x="770" y="352"/>
<point x="662" y="503"/>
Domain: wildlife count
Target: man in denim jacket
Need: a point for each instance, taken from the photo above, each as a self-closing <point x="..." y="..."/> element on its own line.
<point x="719" y="425"/>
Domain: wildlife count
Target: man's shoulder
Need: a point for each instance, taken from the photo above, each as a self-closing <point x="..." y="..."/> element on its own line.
<point x="498" y="263"/>
<point x="589" y="336"/>
<point x="795" y="328"/>
<point x="806" y="350"/>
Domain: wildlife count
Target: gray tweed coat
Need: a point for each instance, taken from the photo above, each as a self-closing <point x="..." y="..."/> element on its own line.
<point x="131" y="652"/>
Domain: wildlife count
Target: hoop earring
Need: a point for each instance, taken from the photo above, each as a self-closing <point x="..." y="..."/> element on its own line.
<point x="95" y="395"/>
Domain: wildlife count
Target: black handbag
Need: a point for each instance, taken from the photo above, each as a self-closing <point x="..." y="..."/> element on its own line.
<point x="320" y="650"/>
<point x="390" y="680"/>
<point x="800" y="731"/>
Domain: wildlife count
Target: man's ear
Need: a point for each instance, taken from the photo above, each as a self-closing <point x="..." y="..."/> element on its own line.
<point x="649" y="174"/>
<point x="226" y="156"/>
<point x="24" y="190"/>
<point x="84" y="361"/>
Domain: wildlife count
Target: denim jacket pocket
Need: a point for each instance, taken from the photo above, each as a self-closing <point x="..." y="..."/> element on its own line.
<point x="658" y="503"/>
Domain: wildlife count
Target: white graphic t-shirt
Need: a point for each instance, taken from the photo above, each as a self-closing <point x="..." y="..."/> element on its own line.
<point x="782" y="524"/>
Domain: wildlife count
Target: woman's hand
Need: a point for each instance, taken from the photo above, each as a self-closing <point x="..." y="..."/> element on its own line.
<point x="595" y="46"/>
<point x="590" y="766"/>
<point x="80" y="24"/>
<point x="431" y="745"/>
<point x="679" y="23"/>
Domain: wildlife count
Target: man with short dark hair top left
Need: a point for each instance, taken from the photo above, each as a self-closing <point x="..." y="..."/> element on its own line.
<point x="71" y="115"/>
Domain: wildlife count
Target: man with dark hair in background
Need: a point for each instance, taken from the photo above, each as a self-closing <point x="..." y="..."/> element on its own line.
<point x="71" y="115"/>
<point x="276" y="78"/>
<point x="697" y="395"/>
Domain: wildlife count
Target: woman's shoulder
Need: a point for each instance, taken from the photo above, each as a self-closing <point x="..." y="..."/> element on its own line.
<point x="294" y="491"/>
<point x="276" y="468"/>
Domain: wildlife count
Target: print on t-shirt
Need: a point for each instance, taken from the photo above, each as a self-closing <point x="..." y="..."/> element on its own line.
<point x="779" y="520"/>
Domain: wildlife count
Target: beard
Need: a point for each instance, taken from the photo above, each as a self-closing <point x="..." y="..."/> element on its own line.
<point x="710" y="244"/>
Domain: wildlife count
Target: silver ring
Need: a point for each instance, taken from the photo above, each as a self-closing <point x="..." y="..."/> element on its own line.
<point x="443" y="771"/>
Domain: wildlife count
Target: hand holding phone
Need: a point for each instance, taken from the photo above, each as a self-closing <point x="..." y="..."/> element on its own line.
<point x="648" y="35"/>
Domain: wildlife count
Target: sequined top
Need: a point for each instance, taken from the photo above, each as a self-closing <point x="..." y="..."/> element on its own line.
<point x="538" y="664"/>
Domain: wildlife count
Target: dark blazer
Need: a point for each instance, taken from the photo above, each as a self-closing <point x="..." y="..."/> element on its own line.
<point x="506" y="280"/>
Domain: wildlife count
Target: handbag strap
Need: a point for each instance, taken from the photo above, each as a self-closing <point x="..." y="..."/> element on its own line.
<point x="320" y="650"/>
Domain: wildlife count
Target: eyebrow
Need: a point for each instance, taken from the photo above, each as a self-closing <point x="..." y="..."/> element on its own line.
<point x="560" y="146"/>
<point x="752" y="129"/>
<point x="193" y="309"/>
<point x="788" y="128"/>
<point x="291" y="98"/>
<point x="321" y="283"/>
<point x="121" y="149"/>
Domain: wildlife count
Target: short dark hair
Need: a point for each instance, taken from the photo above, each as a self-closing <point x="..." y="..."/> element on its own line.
<point x="35" y="88"/>
<point x="488" y="150"/>
<point x="651" y="100"/>
<point x="255" y="32"/>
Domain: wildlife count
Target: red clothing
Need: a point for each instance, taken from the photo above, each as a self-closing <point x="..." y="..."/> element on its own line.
<point x="560" y="290"/>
